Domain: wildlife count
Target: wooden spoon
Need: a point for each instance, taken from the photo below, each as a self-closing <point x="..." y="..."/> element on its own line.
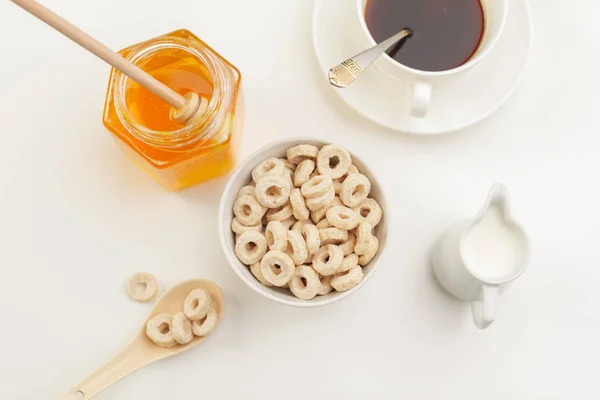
<point x="142" y="351"/>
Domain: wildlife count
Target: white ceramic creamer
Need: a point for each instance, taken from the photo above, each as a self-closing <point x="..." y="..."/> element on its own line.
<point x="473" y="258"/>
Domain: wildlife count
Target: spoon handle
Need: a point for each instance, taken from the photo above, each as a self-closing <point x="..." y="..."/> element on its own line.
<point x="127" y="361"/>
<point x="345" y="73"/>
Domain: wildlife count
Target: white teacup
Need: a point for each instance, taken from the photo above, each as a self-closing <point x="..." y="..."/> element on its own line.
<point x="421" y="83"/>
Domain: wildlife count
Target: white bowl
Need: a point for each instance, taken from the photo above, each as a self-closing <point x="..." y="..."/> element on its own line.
<point x="242" y="176"/>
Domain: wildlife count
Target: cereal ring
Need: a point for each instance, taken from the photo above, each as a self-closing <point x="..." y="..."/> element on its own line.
<point x="272" y="190"/>
<point x="317" y="186"/>
<point x="363" y="235"/>
<point x="280" y="213"/>
<point x="250" y="247"/>
<point x="299" y="225"/>
<point x="324" y="285"/>
<point x="349" y="262"/>
<point x="312" y="238"/>
<point x="342" y="218"/>
<point x="196" y="304"/>
<point x="352" y="170"/>
<point x="318" y="215"/>
<point x="277" y="268"/>
<point x="333" y="160"/>
<point x="347" y="280"/>
<point x="142" y="286"/>
<point x="355" y="190"/>
<point x="309" y="259"/>
<point x="369" y="211"/>
<point x="317" y="203"/>
<point x="348" y="246"/>
<point x="288" y="164"/>
<point x="277" y="236"/>
<point x="248" y="211"/>
<point x="324" y="223"/>
<point x="299" y="153"/>
<point x="297" y="249"/>
<point x="288" y="174"/>
<point x="248" y="189"/>
<point x="337" y="186"/>
<point x="181" y="328"/>
<point x="328" y="259"/>
<point x="288" y="223"/>
<point x="332" y="236"/>
<point x="206" y="325"/>
<point x="158" y="329"/>
<point x="303" y="171"/>
<point x="271" y="165"/>
<point x="255" y="269"/>
<point x="301" y="213"/>
<point x="239" y="228"/>
<point x="305" y="283"/>
<point x="369" y="252"/>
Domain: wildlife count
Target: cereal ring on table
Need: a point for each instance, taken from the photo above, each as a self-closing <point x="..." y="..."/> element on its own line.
<point x="299" y="153"/>
<point x="299" y="225"/>
<point x="348" y="246"/>
<point x="303" y="172"/>
<point x="181" y="328"/>
<point x="301" y="213"/>
<point x="280" y="213"/>
<point x="248" y="189"/>
<point x="328" y="259"/>
<point x="271" y="165"/>
<point x="369" y="211"/>
<point x="355" y="190"/>
<point x="318" y="215"/>
<point x="196" y="304"/>
<point x="369" y="252"/>
<point x="324" y="285"/>
<point x="333" y="160"/>
<point x="239" y="228"/>
<point x="158" y="329"/>
<point x="273" y="190"/>
<point x="288" y="164"/>
<point x="250" y="247"/>
<point x="317" y="203"/>
<point x="312" y="238"/>
<point x="342" y="218"/>
<point x="277" y="268"/>
<point x="317" y="186"/>
<point x="255" y="269"/>
<point x="305" y="283"/>
<point x="248" y="210"/>
<point x="332" y="236"/>
<point x="288" y="223"/>
<point x="324" y="223"/>
<point x="297" y="247"/>
<point x="349" y="262"/>
<point x="363" y="235"/>
<point x="277" y="236"/>
<point x="347" y="280"/>
<point x="206" y="325"/>
<point x="142" y="286"/>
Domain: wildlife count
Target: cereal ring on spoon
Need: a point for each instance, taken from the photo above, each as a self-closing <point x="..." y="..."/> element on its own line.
<point x="182" y="328"/>
<point x="301" y="213"/>
<point x="317" y="186"/>
<point x="342" y="217"/>
<point x="328" y="259"/>
<point x="272" y="190"/>
<point x="333" y="161"/>
<point x="206" y="325"/>
<point x="277" y="268"/>
<point x="196" y="304"/>
<point x="303" y="172"/>
<point x="347" y="280"/>
<point x="280" y="213"/>
<point x="301" y="152"/>
<point x="317" y="203"/>
<point x="248" y="210"/>
<point x="355" y="190"/>
<point x="271" y="165"/>
<point x="277" y="236"/>
<point x="369" y="211"/>
<point x="146" y="282"/>
<point x="250" y="247"/>
<point x="305" y="283"/>
<point x="158" y="329"/>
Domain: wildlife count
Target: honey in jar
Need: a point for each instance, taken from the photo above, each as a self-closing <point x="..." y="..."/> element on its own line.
<point x="177" y="155"/>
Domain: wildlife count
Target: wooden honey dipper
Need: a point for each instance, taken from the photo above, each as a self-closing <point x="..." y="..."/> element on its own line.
<point x="184" y="107"/>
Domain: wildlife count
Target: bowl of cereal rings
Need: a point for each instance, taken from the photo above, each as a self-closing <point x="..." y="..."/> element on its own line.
<point x="303" y="222"/>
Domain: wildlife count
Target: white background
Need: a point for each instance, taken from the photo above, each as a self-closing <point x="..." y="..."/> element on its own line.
<point x="77" y="218"/>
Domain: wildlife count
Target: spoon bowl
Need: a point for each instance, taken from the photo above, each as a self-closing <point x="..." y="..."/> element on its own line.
<point x="142" y="351"/>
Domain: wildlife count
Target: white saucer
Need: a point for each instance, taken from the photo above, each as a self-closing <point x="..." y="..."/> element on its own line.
<point x="456" y="105"/>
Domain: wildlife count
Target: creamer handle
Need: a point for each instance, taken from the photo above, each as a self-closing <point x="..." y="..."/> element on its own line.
<point x="484" y="308"/>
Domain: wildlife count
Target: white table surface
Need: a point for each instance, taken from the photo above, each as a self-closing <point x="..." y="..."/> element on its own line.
<point x="77" y="218"/>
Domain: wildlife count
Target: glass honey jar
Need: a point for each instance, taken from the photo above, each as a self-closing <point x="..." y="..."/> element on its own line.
<point x="177" y="155"/>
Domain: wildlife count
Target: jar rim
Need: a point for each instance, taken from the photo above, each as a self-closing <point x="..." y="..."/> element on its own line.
<point x="198" y="128"/>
